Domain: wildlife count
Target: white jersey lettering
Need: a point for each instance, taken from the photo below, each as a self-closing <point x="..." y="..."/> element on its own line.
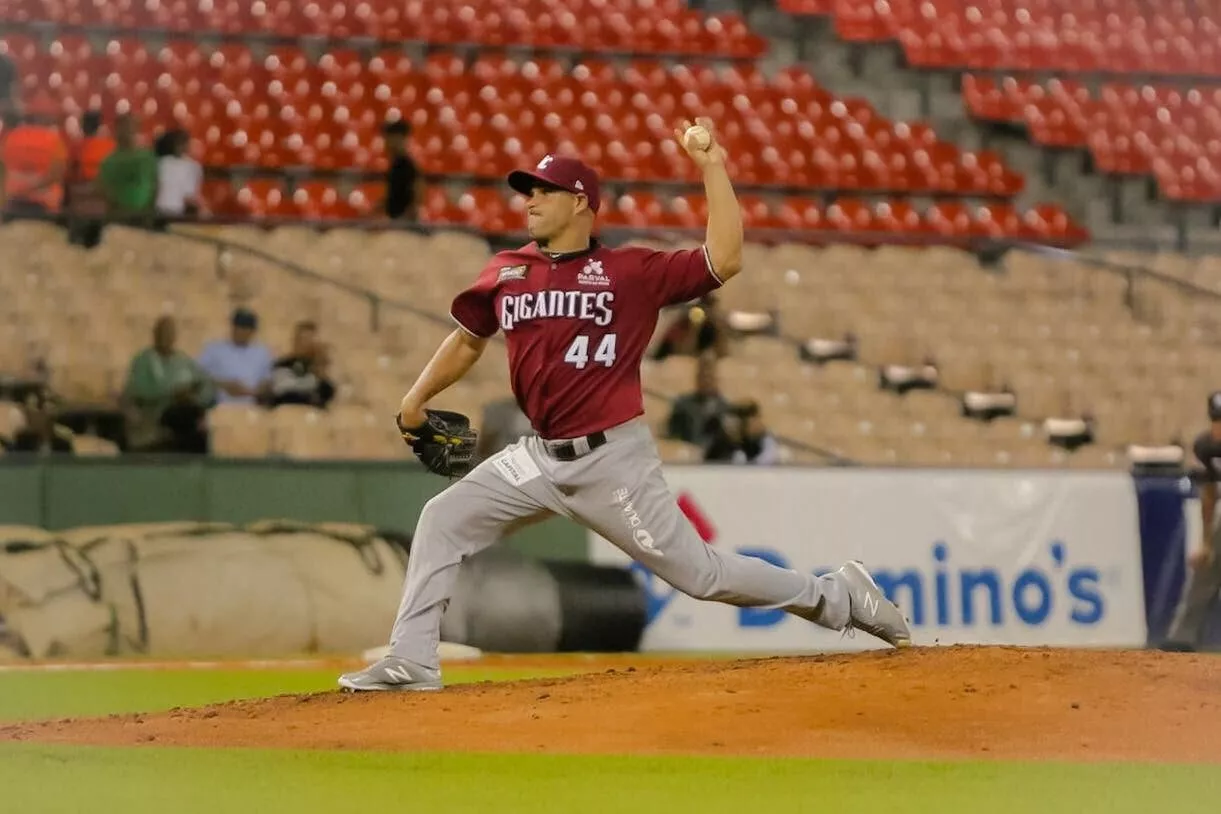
<point x="591" y="306"/>
<point x="602" y="302"/>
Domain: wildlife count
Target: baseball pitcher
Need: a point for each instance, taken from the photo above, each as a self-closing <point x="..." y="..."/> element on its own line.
<point x="577" y="317"/>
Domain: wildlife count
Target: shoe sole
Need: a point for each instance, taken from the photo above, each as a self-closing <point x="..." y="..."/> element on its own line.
<point x="859" y="569"/>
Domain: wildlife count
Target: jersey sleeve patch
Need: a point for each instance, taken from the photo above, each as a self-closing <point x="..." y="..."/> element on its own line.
<point x="474" y="309"/>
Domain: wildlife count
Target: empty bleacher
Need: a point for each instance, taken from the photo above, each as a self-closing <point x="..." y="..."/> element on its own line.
<point x="1060" y="335"/>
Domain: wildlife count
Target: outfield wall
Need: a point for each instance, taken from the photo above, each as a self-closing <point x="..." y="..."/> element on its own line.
<point x="75" y="492"/>
<point x="974" y="556"/>
<point x="1092" y="559"/>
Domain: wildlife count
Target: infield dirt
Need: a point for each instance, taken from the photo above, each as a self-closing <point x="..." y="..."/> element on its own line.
<point x="942" y="702"/>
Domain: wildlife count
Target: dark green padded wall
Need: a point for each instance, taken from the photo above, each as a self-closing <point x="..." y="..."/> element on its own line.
<point x="83" y="492"/>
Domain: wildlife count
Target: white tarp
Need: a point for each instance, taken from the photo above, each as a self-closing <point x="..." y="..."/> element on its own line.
<point x="199" y="590"/>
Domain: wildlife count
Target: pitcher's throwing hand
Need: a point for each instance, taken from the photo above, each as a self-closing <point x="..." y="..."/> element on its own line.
<point x="702" y="155"/>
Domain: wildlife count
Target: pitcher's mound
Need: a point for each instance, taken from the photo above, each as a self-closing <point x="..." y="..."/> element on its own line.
<point x="919" y="703"/>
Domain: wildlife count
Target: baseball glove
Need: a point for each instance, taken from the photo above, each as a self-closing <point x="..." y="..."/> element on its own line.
<point x="444" y="443"/>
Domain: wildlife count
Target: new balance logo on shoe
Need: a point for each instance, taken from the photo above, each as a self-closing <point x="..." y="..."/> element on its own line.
<point x="871" y="604"/>
<point x="399" y="674"/>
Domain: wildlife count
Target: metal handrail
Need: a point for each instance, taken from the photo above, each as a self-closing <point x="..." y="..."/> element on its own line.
<point x="378" y="302"/>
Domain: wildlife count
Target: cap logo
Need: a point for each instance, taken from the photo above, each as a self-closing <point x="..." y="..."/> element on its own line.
<point x="579" y="186"/>
<point x="542" y="165"/>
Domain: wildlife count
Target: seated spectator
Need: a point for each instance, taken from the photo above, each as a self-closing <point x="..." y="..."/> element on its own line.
<point x="35" y="159"/>
<point x="404" y="184"/>
<point x="41" y="434"/>
<point x="179" y="177"/>
<point x="301" y="377"/>
<point x="753" y="443"/>
<point x="166" y="396"/>
<point x="128" y="176"/>
<point x="239" y="366"/>
<point x="502" y="424"/>
<point x="698" y="329"/>
<point x="83" y="199"/>
<point x="696" y="417"/>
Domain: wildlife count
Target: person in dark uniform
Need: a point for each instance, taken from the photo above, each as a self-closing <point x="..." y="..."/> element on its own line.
<point x="9" y="81"/>
<point x="1204" y="577"/>
<point x="404" y="184"/>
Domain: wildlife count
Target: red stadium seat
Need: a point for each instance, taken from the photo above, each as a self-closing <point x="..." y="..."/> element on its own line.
<point x="481" y="115"/>
<point x="260" y="197"/>
<point x="1128" y="129"/>
<point x="1116" y="36"/>
<point x="639" y="26"/>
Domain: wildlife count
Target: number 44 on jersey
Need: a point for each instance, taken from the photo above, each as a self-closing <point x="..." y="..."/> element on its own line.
<point x="578" y="352"/>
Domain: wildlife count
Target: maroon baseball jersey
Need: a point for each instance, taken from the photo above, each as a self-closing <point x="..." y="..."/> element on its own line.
<point x="577" y="326"/>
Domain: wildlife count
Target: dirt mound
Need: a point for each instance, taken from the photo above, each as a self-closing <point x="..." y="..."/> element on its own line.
<point x="920" y="703"/>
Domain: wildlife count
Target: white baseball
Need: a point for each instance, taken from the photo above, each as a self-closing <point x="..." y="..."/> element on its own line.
<point x="697" y="137"/>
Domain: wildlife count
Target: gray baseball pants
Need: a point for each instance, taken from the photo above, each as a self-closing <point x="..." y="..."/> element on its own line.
<point x="617" y="491"/>
<point x="1199" y="596"/>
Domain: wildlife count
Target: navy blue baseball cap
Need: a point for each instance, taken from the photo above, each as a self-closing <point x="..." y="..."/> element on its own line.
<point x="569" y="174"/>
<point x="245" y="318"/>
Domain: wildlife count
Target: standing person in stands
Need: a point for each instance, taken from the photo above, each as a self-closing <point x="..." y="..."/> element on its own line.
<point x="84" y="201"/>
<point x="35" y="159"/>
<point x="404" y="184"/>
<point x="179" y="176"/>
<point x="128" y="176"/>
<point x="8" y="82"/>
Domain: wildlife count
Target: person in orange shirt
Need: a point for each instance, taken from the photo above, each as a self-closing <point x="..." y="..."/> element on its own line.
<point x="84" y="201"/>
<point x="35" y="159"/>
<point x="92" y="148"/>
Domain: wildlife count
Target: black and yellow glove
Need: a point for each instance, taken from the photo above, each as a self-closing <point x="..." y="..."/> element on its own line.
<point x="444" y="443"/>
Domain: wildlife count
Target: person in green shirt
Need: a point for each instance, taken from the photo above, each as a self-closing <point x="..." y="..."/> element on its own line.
<point x="166" y="396"/>
<point x="128" y="176"/>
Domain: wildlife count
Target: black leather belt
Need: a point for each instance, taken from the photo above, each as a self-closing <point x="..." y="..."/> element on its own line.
<point x="571" y="450"/>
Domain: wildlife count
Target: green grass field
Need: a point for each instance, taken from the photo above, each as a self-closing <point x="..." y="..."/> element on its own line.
<point x="40" y="778"/>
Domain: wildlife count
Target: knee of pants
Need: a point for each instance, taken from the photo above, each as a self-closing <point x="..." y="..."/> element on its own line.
<point x="438" y="523"/>
<point x="699" y="578"/>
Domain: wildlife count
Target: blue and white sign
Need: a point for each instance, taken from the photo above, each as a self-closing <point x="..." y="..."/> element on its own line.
<point x="973" y="557"/>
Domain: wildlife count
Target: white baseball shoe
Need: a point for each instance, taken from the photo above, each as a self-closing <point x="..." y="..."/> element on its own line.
<point x="870" y="610"/>
<point x="392" y="674"/>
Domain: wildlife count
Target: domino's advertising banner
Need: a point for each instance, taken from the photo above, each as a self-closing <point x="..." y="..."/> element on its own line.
<point x="971" y="557"/>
